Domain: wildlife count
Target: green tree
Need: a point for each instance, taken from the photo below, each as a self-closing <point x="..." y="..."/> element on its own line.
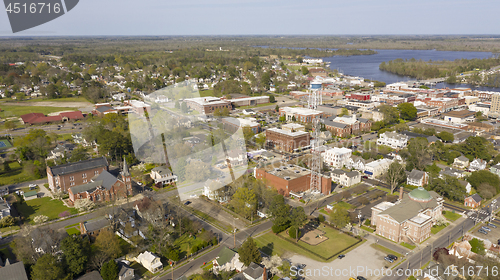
<point x="477" y="246"/>
<point x="390" y="113"/>
<point x="272" y="99"/>
<point x="75" y="253"/>
<point x="10" y="125"/>
<point x="280" y="214"/>
<point x="417" y="153"/>
<point x="449" y="187"/>
<point x="260" y="139"/>
<point x="407" y="111"/>
<point x="47" y="268"/>
<point x="446" y="136"/>
<point x="400" y="127"/>
<point x="184" y="108"/>
<point x="339" y="216"/>
<point x="479" y="177"/>
<point x="109" y="270"/>
<point x="78" y="154"/>
<point x="108" y="243"/>
<point x="344" y="112"/>
<point x="304" y="70"/>
<point x="395" y="175"/>
<point x="248" y="134"/>
<point x="249" y="252"/>
<point x="298" y="218"/>
<point x="244" y="201"/>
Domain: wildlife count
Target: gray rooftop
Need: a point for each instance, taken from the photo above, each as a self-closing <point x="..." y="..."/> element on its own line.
<point x="254" y="270"/>
<point x="94" y="275"/>
<point x="79" y="166"/>
<point x="98" y="224"/>
<point x="409" y="208"/>
<point x="105" y="179"/>
<point x="476" y="197"/>
<point x="416" y="174"/>
<point x="14" y="271"/>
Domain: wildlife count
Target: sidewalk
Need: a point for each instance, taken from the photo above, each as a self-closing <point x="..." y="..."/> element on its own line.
<point x="388" y="244"/>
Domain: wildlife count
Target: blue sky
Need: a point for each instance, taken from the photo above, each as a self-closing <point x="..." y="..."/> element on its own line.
<point x="249" y="17"/>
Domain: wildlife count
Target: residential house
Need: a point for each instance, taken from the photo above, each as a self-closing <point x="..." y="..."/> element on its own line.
<point x="495" y="169"/>
<point x="62" y="150"/>
<point x="79" y="139"/>
<point x="393" y="140"/>
<point x="411" y="218"/>
<point x="448" y="171"/>
<point x="417" y="178"/>
<point x="163" y="175"/>
<point x="337" y="157"/>
<point x="149" y="210"/>
<point x="255" y="272"/>
<point x="473" y="201"/>
<point x="104" y="187"/>
<point x="461" y="162"/>
<point x="15" y="271"/>
<point x="64" y="176"/>
<point x="477" y="164"/>
<point x="377" y="167"/>
<point x="4" y="208"/>
<point x="227" y="260"/>
<point x="126" y="272"/>
<point x="93" y="275"/>
<point x="46" y="241"/>
<point x="214" y="190"/>
<point x="346" y="179"/>
<point x="4" y="190"/>
<point x="150" y="261"/>
<point x="94" y="227"/>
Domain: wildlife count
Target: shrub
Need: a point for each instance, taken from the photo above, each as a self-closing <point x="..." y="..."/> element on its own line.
<point x="7" y="221"/>
<point x="321" y="218"/>
<point x="292" y="232"/>
<point x="40" y="219"/>
<point x="301" y="200"/>
<point x="278" y="229"/>
<point x="368" y="222"/>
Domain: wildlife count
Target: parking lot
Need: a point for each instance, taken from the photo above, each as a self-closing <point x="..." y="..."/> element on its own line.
<point x="492" y="235"/>
<point x="360" y="260"/>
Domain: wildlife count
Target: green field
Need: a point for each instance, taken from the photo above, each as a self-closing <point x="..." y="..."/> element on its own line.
<point x="435" y="229"/>
<point x="15" y="175"/>
<point x="450" y="216"/>
<point x="73" y="231"/>
<point x="67" y="99"/>
<point x="336" y="243"/>
<point x="16" y="111"/>
<point x="43" y="206"/>
<point x="185" y="243"/>
<point x="409" y="246"/>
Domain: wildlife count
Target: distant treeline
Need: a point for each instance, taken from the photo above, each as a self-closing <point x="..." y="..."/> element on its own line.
<point x="433" y="69"/>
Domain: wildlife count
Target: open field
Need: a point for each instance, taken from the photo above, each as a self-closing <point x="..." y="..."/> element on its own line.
<point x="15" y="175"/>
<point x="186" y="243"/>
<point x="270" y="244"/>
<point x="43" y="206"/>
<point x="16" y="110"/>
<point x="67" y="99"/>
<point x="450" y="216"/>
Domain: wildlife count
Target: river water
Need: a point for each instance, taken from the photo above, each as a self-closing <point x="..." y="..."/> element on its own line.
<point x="366" y="66"/>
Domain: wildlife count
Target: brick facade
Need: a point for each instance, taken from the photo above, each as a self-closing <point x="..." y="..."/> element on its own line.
<point x="63" y="177"/>
<point x="286" y="141"/>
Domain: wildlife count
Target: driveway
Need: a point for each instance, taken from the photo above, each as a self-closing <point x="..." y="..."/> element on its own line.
<point x="356" y="263"/>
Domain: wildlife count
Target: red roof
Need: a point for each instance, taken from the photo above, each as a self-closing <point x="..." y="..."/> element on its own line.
<point x="33" y="118"/>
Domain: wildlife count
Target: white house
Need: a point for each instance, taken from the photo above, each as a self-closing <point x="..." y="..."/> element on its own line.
<point x="461" y="162"/>
<point x="150" y="261"/>
<point x="337" y="157"/>
<point x="344" y="178"/>
<point x="378" y="167"/>
<point x="163" y="175"/>
<point x="477" y="164"/>
<point x="214" y="190"/>
<point x="4" y="208"/>
<point x="417" y="178"/>
<point x="227" y="260"/>
<point x="393" y="140"/>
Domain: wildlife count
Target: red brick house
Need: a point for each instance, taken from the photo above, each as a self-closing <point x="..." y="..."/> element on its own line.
<point x="104" y="187"/>
<point x="473" y="201"/>
<point x="39" y="118"/>
<point x="62" y="177"/>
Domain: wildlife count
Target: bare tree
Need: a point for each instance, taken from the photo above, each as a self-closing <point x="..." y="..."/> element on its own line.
<point x="395" y="175"/>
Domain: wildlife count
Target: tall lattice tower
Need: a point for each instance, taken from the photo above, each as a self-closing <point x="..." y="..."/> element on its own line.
<point x="315" y="164"/>
<point x="315" y="99"/>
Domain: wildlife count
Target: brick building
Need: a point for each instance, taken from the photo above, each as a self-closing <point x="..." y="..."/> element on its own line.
<point x="303" y="115"/>
<point x="347" y="125"/>
<point x="410" y="219"/>
<point x="317" y="71"/>
<point x="285" y="140"/>
<point x="63" y="177"/>
<point x="359" y="96"/>
<point x="290" y="178"/>
<point x="207" y="105"/>
<point x="104" y="187"/>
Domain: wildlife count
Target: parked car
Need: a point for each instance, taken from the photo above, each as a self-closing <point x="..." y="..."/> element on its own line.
<point x="389" y="259"/>
<point x="341" y="256"/>
<point x="32" y="186"/>
<point x="360" y="278"/>
<point x="187" y="202"/>
<point x="482" y="231"/>
<point x="486" y="228"/>
<point x="492" y="225"/>
<point x="392" y="257"/>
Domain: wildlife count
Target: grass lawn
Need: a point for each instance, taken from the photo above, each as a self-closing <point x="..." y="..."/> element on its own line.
<point x="5" y="229"/>
<point x="450" y="216"/>
<point x="409" y="246"/>
<point x="208" y="92"/>
<point x="208" y="266"/>
<point x="27" y="189"/>
<point x="336" y="242"/>
<point x="368" y="229"/>
<point x="72" y="231"/>
<point x="435" y="229"/>
<point x="186" y="243"/>
<point x="16" y="111"/>
<point x="211" y="220"/>
<point x="15" y="175"/>
<point x="270" y="244"/>
<point x="345" y="205"/>
<point x="385" y="250"/>
<point x="43" y="206"/>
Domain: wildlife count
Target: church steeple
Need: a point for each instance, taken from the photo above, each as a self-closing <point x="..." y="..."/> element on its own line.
<point x="125" y="171"/>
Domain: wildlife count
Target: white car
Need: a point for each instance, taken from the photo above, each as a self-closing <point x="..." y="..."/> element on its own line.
<point x="32" y="186"/>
